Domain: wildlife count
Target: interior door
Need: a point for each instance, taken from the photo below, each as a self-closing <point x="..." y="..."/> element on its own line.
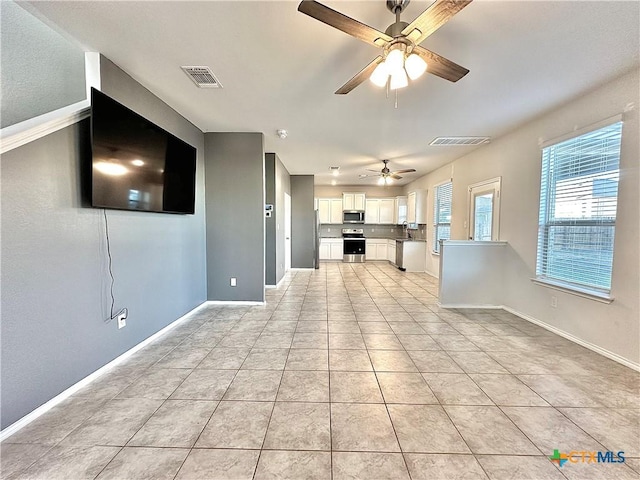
<point x="484" y="210"/>
<point x="287" y="232"/>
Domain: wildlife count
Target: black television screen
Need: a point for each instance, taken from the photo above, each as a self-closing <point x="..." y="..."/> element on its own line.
<point x="137" y="165"/>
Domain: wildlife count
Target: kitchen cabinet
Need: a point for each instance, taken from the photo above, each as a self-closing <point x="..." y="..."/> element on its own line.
<point x="330" y="249"/>
<point x="330" y="210"/>
<point x="400" y="210"/>
<point x="391" y="251"/>
<point x="372" y="211"/>
<point x="379" y="211"/>
<point x="353" y="201"/>
<point x="417" y="207"/>
<point x="376" y="249"/>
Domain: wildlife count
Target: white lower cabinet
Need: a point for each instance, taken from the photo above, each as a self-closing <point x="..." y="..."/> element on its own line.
<point x="391" y="251"/>
<point x="330" y="249"/>
<point x="376" y="249"/>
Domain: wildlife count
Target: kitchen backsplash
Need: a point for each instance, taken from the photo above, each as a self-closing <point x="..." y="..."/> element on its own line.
<point x="374" y="231"/>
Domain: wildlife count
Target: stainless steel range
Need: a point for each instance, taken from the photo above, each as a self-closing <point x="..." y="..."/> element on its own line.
<point x="353" y="245"/>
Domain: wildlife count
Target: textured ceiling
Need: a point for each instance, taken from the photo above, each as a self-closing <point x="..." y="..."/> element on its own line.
<point x="279" y="69"/>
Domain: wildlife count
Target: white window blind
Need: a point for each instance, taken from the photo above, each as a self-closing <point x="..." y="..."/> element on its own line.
<point x="578" y="202"/>
<point x="442" y="214"/>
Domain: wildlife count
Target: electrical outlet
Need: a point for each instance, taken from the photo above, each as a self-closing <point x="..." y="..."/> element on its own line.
<point x="392" y="230"/>
<point x="328" y="229"/>
<point x="554" y="301"/>
<point x="234" y="281"/>
<point x="373" y="230"/>
<point x="122" y="320"/>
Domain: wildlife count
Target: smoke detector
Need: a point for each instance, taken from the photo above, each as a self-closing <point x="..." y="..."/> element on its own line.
<point x="282" y="133"/>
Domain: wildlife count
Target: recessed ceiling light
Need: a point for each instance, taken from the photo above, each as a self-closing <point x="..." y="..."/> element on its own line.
<point x="333" y="182"/>
<point x="137" y="163"/>
<point x="335" y="171"/>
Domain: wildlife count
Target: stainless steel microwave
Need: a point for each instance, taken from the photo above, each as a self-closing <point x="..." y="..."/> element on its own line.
<point x="353" y="216"/>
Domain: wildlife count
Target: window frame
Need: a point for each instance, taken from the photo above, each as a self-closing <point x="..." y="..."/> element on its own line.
<point x="436" y="223"/>
<point x="548" y="186"/>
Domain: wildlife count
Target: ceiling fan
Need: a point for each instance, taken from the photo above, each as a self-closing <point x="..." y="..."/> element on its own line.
<point x="401" y="54"/>
<point x="386" y="175"/>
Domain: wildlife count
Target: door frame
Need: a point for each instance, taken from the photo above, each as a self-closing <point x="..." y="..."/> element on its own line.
<point x="491" y="185"/>
<point x="287" y="232"/>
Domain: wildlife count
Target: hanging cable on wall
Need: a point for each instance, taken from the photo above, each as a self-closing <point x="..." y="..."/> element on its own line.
<point x="113" y="280"/>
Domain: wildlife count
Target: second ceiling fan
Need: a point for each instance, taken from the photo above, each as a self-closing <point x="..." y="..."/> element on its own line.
<point x="402" y="55"/>
<point x="387" y="175"/>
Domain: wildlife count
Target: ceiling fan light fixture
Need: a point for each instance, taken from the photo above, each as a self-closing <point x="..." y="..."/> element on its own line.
<point x="395" y="59"/>
<point x="388" y="180"/>
<point x="380" y="75"/>
<point x="415" y="66"/>
<point x="381" y="181"/>
<point x="398" y="80"/>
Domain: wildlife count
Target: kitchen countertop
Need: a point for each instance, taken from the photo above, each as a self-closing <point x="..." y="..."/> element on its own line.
<point x="400" y="239"/>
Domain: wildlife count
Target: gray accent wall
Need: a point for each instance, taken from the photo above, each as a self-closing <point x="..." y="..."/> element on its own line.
<point x="235" y="220"/>
<point x="277" y="183"/>
<point x="41" y="70"/>
<point x="55" y="298"/>
<point x="302" y="222"/>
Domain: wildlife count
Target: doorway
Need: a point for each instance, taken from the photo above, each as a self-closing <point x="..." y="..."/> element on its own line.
<point x="287" y="232"/>
<point x="484" y="210"/>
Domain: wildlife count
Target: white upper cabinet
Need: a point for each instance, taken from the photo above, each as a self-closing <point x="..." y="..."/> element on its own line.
<point x="353" y="201"/>
<point x="330" y="210"/>
<point x="379" y="211"/>
<point x="400" y="210"/>
<point x="372" y="211"/>
<point x="417" y="207"/>
<point x="386" y="210"/>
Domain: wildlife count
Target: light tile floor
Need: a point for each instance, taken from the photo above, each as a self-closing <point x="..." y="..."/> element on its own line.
<point x="348" y="372"/>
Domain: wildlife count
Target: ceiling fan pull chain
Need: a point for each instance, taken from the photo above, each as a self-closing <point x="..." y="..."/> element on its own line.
<point x="396" y="98"/>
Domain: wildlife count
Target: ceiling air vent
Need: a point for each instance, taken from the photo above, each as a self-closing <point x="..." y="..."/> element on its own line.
<point x="202" y="77"/>
<point x="459" y="141"/>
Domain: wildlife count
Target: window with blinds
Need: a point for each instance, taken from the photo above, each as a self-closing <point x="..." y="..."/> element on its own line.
<point x="578" y="202"/>
<point x="442" y="214"/>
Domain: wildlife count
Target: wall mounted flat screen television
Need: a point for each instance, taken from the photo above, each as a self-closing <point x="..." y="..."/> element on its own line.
<point x="135" y="164"/>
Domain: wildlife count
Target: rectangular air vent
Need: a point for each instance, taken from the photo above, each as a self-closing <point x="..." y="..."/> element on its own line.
<point x="202" y="77"/>
<point x="459" y="141"/>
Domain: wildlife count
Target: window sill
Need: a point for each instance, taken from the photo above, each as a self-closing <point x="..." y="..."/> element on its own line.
<point x="574" y="290"/>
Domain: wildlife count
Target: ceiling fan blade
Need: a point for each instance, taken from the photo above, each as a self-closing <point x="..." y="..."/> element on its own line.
<point x="439" y="13"/>
<point x="394" y="176"/>
<point x="371" y="170"/>
<point x="360" y="77"/>
<point x="346" y="24"/>
<point x="440" y="66"/>
<point x="406" y="170"/>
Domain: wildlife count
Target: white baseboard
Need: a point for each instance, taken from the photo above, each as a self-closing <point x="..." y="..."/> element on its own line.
<point x="467" y="305"/>
<point x="30" y="417"/>
<point x="233" y="302"/>
<point x="310" y="269"/>
<point x="591" y="346"/>
<point x="279" y="283"/>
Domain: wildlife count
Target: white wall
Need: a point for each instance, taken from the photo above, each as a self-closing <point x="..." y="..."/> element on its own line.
<point x="516" y="157"/>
